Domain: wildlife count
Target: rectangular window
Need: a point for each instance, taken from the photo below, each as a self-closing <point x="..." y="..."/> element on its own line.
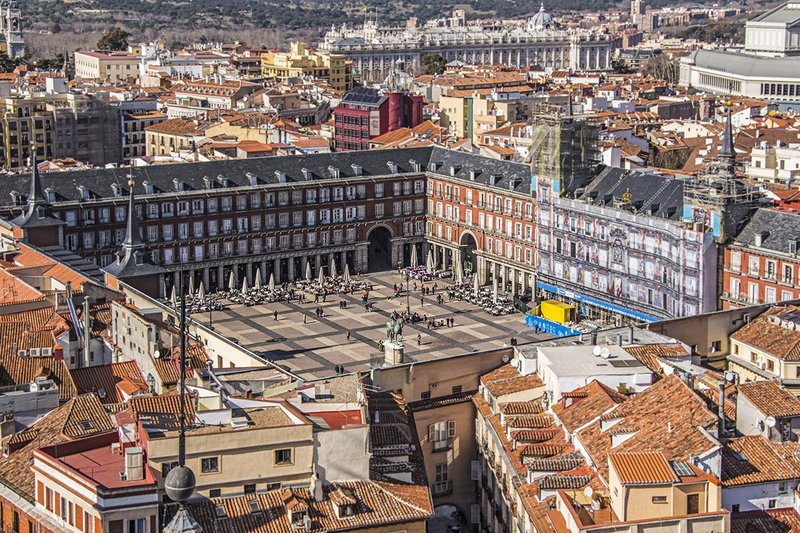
<point x="283" y="457"/>
<point x="209" y="465"/>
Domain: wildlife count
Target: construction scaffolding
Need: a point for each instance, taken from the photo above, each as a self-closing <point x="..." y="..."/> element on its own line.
<point x="563" y="146"/>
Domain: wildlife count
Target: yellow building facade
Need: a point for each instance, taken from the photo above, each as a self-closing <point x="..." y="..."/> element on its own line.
<point x="303" y="61"/>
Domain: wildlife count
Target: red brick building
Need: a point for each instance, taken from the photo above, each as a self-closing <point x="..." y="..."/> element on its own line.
<point x="762" y="265"/>
<point x="366" y="113"/>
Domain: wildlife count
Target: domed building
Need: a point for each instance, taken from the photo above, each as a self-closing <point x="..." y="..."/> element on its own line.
<point x="541" y="21"/>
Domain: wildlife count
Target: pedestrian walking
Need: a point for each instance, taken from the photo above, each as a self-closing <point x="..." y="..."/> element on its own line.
<point x="421" y="302"/>
<point x="275" y="315"/>
<point x="305" y="319"/>
<point x="347" y="335"/>
<point x="419" y="339"/>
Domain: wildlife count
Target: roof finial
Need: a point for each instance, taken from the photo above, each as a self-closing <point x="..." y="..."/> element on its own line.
<point x="541" y="7"/>
<point x="132" y="238"/>
<point x="727" y="149"/>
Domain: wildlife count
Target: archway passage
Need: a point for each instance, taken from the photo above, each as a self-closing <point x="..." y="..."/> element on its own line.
<point x="468" y="256"/>
<point x="379" y="252"/>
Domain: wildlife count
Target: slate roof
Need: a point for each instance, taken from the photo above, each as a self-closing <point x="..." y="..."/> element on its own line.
<point x="651" y="194"/>
<point x="780" y="227"/>
<point x="238" y="171"/>
<point x="744" y="64"/>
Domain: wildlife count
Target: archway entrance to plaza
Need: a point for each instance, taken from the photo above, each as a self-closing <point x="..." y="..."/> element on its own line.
<point x="379" y="251"/>
<point x="468" y="256"/>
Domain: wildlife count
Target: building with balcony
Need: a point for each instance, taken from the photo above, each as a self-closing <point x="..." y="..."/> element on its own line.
<point x="365" y="113"/>
<point x="300" y="61"/>
<point x="761" y="264"/>
<point x="134" y="135"/>
<point x="205" y="99"/>
<point x="112" y="67"/>
<point x="540" y="43"/>
<point x="777" y="165"/>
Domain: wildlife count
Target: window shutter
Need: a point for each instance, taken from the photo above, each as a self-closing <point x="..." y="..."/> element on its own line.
<point x="451" y="429"/>
<point x="475" y="471"/>
<point x="432" y="432"/>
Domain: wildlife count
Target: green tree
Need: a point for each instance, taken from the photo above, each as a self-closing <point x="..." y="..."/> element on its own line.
<point x="114" y="39"/>
<point x="433" y="64"/>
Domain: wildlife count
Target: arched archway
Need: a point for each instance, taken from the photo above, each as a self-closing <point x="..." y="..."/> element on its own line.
<point x="379" y="250"/>
<point x="469" y="257"/>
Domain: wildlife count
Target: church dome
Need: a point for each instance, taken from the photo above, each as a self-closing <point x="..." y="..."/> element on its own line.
<point x="541" y="20"/>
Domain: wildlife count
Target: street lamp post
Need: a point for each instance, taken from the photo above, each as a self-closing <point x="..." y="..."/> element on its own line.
<point x="408" y="294"/>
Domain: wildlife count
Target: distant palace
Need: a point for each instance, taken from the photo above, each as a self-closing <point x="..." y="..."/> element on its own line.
<point x="541" y="43"/>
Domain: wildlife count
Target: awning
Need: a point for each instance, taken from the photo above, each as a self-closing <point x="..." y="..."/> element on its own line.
<point x="595" y="302"/>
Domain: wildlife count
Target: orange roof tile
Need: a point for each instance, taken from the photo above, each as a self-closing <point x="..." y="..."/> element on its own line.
<point x="642" y="468"/>
<point x="769" y="398"/>
<point x="756" y="459"/>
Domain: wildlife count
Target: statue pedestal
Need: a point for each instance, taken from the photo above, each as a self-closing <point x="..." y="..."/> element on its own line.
<point x="392" y="353"/>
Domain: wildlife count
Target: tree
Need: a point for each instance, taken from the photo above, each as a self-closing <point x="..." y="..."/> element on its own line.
<point x="662" y="67"/>
<point x="114" y="39"/>
<point x="433" y="64"/>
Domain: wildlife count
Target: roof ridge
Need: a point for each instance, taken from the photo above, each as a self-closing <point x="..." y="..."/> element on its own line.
<point x="398" y="498"/>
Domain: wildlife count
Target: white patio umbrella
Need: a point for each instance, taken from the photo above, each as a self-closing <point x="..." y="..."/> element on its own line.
<point x="321" y="278"/>
<point x="476" y="285"/>
<point x="257" y="282"/>
<point x="244" y="285"/>
<point x="173" y="299"/>
<point x="494" y="289"/>
<point x="308" y="271"/>
<point x="458" y="272"/>
<point x="333" y="269"/>
<point x="231" y="282"/>
<point x="201" y="291"/>
<point x="271" y="284"/>
<point x="191" y="283"/>
<point x="414" y="259"/>
<point x="347" y="273"/>
<point x="430" y="264"/>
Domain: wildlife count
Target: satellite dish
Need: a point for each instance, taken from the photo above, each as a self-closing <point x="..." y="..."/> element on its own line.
<point x="588" y="492"/>
<point x="770" y="421"/>
<point x="605" y="353"/>
<point x="730" y="377"/>
<point x="504" y="358"/>
<point x="596" y="351"/>
<point x="515" y="363"/>
<point x="157" y="354"/>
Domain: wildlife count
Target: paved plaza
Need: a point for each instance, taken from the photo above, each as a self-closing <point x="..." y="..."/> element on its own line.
<point x="313" y="349"/>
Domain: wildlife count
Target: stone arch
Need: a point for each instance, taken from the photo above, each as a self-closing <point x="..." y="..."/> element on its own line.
<point x="379" y="249"/>
<point x="468" y="246"/>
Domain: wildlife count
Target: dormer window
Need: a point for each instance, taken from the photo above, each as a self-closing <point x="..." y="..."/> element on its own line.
<point x="50" y="194"/>
<point x="148" y="187"/>
<point x="358" y="170"/>
<point x="117" y="188"/>
<point x="334" y="172"/>
<point x="84" y="192"/>
<point x="281" y="175"/>
<point x="223" y="181"/>
<point x="392" y="167"/>
<point x="179" y="185"/>
<point x="307" y="174"/>
<point x="252" y="179"/>
<point x="417" y="166"/>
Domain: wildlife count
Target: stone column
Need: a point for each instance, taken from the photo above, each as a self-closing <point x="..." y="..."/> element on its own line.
<point x="362" y="257"/>
<point x="343" y="261"/>
<point x="303" y="263"/>
<point x="220" y="277"/>
<point x="514" y="274"/>
<point x="290" y="264"/>
<point x="206" y="278"/>
<point x="276" y="269"/>
<point x="263" y="268"/>
<point x="331" y="260"/>
<point x="249" y="273"/>
<point x="317" y="264"/>
<point x="176" y="282"/>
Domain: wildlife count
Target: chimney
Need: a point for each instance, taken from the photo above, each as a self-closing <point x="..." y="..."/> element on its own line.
<point x="632" y="334"/>
<point x="134" y="464"/>
<point x="316" y="487"/>
<point x="721" y="407"/>
<point x="87" y="332"/>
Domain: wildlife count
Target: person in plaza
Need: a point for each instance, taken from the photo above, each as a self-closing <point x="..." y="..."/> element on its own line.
<point x="421" y="302"/>
<point x="305" y="319"/>
<point x="347" y="335"/>
<point x="419" y="339"/>
<point x="275" y="314"/>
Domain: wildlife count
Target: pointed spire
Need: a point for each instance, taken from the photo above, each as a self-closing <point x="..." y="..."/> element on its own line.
<point x="36" y="196"/>
<point x="727" y="150"/>
<point x="132" y="238"/>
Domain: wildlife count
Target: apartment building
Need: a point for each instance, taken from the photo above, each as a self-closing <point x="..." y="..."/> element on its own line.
<point x="58" y="125"/>
<point x="777" y="165"/>
<point x="365" y="113"/>
<point x="301" y="61"/>
<point x="164" y="137"/>
<point x="764" y="347"/>
<point x="134" y="134"/>
<point x="204" y="99"/>
<point x="107" y="66"/>
<point x="761" y="264"/>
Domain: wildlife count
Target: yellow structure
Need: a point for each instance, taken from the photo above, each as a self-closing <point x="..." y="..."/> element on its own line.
<point x="557" y="311"/>
<point x="302" y="61"/>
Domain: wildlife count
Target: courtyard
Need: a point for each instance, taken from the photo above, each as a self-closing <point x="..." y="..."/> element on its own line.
<point x="313" y="346"/>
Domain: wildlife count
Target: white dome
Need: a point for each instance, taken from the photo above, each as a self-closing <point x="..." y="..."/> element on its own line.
<point x="541" y="20"/>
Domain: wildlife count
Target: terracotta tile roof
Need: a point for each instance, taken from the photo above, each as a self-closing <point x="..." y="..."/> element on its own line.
<point x="769" y="521"/>
<point x="642" y="468"/>
<point x="162" y="410"/>
<point x="712" y="400"/>
<point x="530" y="422"/>
<point x="586" y="403"/>
<point x="377" y="504"/>
<point x="560" y="463"/>
<point x="13" y="290"/>
<point x="176" y="126"/>
<point x="105" y="380"/>
<point x="756" y="459"/>
<point x="81" y="416"/>
<point x="521" y="408"/>
<point x="541" y="450"/>
<point x="649" y="354"/>
<point x="762" y="334"/>
<point x="769" y="398"/>
<point x="16" y="370"/>
<point x="30" y="257"/>
<point x="668" y="407"/>
<point x="441" y="401"/>
<point x="535" y="435"/>
<point x="563" y="481"/>
<point x="507" y="380"/>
